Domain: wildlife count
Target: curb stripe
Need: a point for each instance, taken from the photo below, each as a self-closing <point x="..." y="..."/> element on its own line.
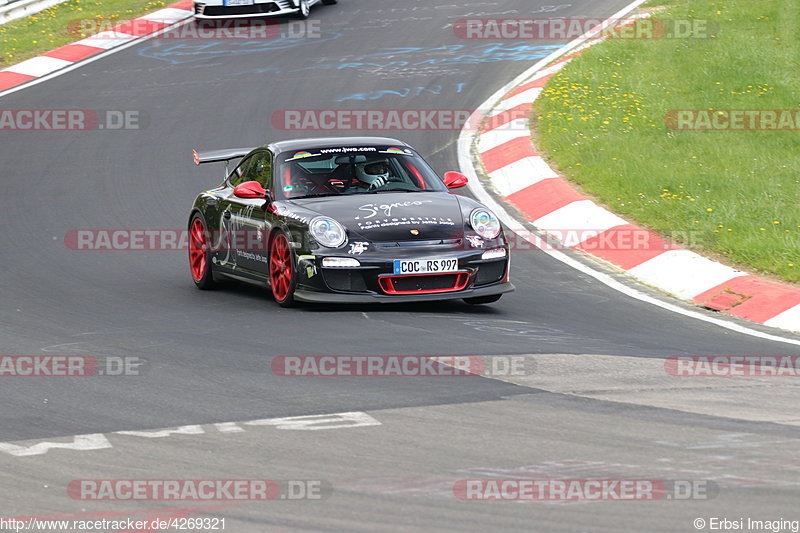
<point x="167" y="15"/>
<point x="786" y="320"/>
<point x="106" y="40"/>
<point x="525" y="181"/>
<point x="74" y="52"/>
<point x="543" y="198"/>
<point x="614" y="246"/>
<point x="538" y="83"/>
<point x="516" y="129"/>
<point x="520" y="174"/>
<point x="38" y="66"/>
<point x="467" y="153"/>
<point x="507" y="154"/>
<point x="139" y="27"/>
<point x="683" y="273"/>
<point x="580" y="220"/>
<point x="10" y="79"/>
<point x="525" y="97"/>
<point x="520" y="112"/>
<point x="751" y="297"/>
<point x="70" y="54"/>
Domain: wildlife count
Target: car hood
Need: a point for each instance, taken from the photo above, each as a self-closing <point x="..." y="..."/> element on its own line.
<point x="393" y="217"/>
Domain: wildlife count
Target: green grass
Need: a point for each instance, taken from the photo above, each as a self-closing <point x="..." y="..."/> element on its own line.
<point x="62" y="24"/>
<point x="735" y="194"/>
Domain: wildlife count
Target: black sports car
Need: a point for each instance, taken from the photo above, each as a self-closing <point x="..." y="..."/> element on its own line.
<point x="358" y="219"/>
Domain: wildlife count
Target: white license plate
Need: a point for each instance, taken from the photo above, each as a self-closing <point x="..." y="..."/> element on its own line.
<point x="239" y="2"/>
<point x="434" y="265"/>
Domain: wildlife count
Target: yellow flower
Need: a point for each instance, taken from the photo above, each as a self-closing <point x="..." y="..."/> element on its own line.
<point x="709" y="209"/>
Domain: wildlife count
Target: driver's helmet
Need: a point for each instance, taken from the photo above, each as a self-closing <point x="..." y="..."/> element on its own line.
<point x="371" y="171"/>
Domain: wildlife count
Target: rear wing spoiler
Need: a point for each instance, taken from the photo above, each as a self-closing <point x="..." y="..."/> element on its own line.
<point x="215" y="156"/>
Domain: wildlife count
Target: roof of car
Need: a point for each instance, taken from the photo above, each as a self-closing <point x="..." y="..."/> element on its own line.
<point x="330" y="142"/>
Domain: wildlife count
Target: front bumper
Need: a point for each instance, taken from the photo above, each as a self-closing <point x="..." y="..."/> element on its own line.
<point x="375" y="280"/>
<point x="206" y="12"/>
<point x="328" y="297"/>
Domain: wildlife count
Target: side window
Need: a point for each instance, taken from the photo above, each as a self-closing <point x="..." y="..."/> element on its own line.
<point x="238" y="175"/>
<point x="259" y="169"/>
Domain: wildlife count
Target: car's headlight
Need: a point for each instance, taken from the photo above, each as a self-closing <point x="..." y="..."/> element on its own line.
<point x="485" y="223"/>
<point x="327" y="232"/>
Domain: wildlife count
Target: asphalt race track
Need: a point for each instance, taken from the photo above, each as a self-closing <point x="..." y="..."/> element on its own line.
<point x="208" y="354"/>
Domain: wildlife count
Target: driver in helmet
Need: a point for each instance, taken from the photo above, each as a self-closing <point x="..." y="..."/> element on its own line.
<point x="374" y="174"/>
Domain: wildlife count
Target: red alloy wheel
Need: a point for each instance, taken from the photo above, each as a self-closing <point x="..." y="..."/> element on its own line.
<point x="280" y="268"/>
<point x="198" y="250"/>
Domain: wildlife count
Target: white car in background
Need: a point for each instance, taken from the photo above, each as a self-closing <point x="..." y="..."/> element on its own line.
<point x="226" y="9"/>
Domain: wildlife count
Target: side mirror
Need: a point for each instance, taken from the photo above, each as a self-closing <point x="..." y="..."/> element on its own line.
<point x="454" y="180"/>
<point x="250" y="189"/>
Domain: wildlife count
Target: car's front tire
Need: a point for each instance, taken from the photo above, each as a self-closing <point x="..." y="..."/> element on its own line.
<point x="303" y="9"/>
<point x="200" y="253"/>
<point x="328" y="2"/>
<point x="480" y="300"/>
<point x="282" y="276"/>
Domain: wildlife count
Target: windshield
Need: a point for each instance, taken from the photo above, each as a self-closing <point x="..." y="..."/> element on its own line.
<point x="354" y="170"/>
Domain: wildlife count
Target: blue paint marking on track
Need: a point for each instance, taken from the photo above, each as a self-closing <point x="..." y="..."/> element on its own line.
<point x="481" y="54"/>
<point x="406" y="92"/>
<point x="188" y="52"/>
<point x="459" y="54"/>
